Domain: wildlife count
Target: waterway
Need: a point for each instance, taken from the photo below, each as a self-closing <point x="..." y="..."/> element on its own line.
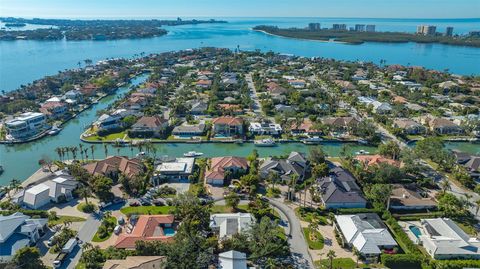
<point x="23" y="61"/>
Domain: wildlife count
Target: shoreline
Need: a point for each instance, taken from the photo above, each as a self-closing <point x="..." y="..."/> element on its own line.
<point x="304" y="39"/>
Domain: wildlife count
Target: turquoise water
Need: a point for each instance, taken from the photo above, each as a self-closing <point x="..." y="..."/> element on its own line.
<point x="169" y="231"/>
<point x="24" y="61"/>
<point x="415" y="230"/>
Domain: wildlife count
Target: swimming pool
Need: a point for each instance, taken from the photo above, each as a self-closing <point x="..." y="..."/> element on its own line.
<point x="415" y="230"/>
<point x="169" y="231"/>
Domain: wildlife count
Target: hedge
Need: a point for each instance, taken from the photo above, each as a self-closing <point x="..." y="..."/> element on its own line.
<point x="358" y="210"/>
<point x="455" y="264"/>
<point x="401" y="261"/>
<point x="402" y="238"/>
<point x="28" y="212"/>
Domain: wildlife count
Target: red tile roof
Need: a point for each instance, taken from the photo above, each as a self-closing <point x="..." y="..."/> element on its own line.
<point x="128" y="167"/>
<point x="218" y="165"/>
<point x="148" y="228"/>
<point x="151" y="122"/>
<point x="376" y="160"/>
<point x="228" y="121"/>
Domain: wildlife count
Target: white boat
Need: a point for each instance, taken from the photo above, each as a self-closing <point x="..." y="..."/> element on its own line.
<point x="362" y="141"/>
<point x="264" y="143"/>
<point x="192" y="154"/>
<point x="140" y="154"/>
<point x="362" y="152"/>
<point x="55" y="130"/>
<point x="312" y="140"/>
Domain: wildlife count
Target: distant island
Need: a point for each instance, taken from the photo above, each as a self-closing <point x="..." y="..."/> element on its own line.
<point x="359" y="37"/>
<point x="91" y="29"/>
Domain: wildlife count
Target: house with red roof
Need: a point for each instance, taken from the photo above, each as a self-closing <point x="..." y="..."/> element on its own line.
<point x="54" y="110"/>
<point x="114" y="166"/>
<point x="89" y="89"/>
<point x="377" y="159"/>
<point x="227" y="126"/>
<point x="147" y="228"/>
<point x="215" y="175"/>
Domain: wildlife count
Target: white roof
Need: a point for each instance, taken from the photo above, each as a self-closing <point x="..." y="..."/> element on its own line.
<point x="445" y="237"/>
<point x="8" y="224"/>
<point x="224" y="222"/>
<point x="363" y="235"/>
<point x="37" y="189"/>
<point x="172" y="167"/>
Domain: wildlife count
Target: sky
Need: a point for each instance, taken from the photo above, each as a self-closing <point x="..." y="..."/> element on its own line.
<point x="240" y="8"/>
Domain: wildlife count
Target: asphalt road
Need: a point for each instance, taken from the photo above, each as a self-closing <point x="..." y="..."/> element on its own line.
<point x="85" y="234"/>
<point x="257" y="106"/>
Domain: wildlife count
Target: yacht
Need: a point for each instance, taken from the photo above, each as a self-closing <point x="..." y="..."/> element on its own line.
<point x="362" y="152"/>
<point x="54" y="131"/>
<point x="312" y="140"/>
<point x="192" y="154"/>
<point x="264" y="143"/>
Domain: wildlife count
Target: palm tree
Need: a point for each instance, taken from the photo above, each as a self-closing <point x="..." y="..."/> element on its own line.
<point x="67" y="223"/>
<point x="58" y="150"/>
<point x="15" y="185"/>
<point x="92" y="150"/>
<point x="477" y="206"/>
<point x="331" y="255"/>
<point x="81" y="149"/>
<point x="445" y="185"/>
<point x="293" y="183"/>
<point x="271" y="263"/>
<point x="74" y="152"/>
<point x="84" y="192"/>
<point x="87" y="246"/>
<point x="105" y="149"/>
<point x="357" y="254"/>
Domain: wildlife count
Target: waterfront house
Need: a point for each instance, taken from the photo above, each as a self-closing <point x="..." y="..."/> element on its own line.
<point x="114" y="166"/>
<point x="443" y="239"/>
<point x="189" y="130"/>
<point x="89" y="90"/>
<point x="59" y="189"/>
<point x="232" y="260"/>
<point x="305" y="128"/>
<point x="296" y="164"/>
<point x="229" y="224"/>
<point x="151" y="126"/>
<point x="473" y="166"/>
<point x="147" y="228"/>
<point x="341" y="124"/>
<point x="54" y="110"/>
<point x="366" y="232"/>
<point x="227" y="126"/>
<point x="219" y="166"/>
<point x="177" y="170"/>
<point x="73" y="95"/>
<point x="444" y="126"/>
<point x="339" y="190"/>
<point x="18" y="231"/>
<point x="409" y="197"/>
<point x="137" y="262"/>
<point x="377" y="159"/>
<point x="264" y="128"/>
<point x="26" y="125"/>
<point x="109" y="122"/>
<point x="409" y="126"/>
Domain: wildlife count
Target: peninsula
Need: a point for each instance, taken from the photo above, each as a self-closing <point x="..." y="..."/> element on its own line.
<point x="91" y="29"/>
<point x="357" y="37"/>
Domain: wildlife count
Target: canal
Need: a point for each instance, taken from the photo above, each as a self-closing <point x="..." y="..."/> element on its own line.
<point x="20" y="161"/>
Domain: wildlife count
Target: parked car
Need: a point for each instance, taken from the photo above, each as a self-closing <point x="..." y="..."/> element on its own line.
<point x="117" y="230"/>
<point x="134" y="203"/>
<point x="158" y="202"/>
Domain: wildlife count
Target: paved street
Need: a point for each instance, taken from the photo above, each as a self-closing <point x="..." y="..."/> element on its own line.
<point x="257" y="106"/>
<point x="85" y="234"/>
<point x="298" y="245"/>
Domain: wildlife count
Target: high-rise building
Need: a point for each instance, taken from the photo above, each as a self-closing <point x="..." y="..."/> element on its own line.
<point x="337" y="26"/>
<point x="474" y="33"/>
<point x="370" y="28"/>
<point x="314" y="26"/>
<point x="359" y="27"/>
<point x="426" y="29"/>
<point x="449" y="31"/>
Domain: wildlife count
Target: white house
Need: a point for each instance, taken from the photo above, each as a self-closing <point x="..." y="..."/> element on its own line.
<point x="232" y="260"/>
<point x="175" y="170"/>
<point x="49" y="191"/>
<point x="365" y="232"/>
<point x="18" y="231"/>
<point x="229" y="224"/>
<point x="443" y="239"/>
<point x="26" y="125"/>
<point x="265" y="128"/>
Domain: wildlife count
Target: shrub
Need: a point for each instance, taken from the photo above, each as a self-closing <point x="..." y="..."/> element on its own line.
<point x="402" y="238"/>
<point x="455" y="264"/>
<point x="400" y="261"/>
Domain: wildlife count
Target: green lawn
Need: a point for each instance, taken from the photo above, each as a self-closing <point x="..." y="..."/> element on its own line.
<point x="318" y="244"/>
<point x="114" y="136"/>
<point x="227" y="209"/>
<point x="96" y="237"/>
<point x="344" y="263"/>
<point x="146" y="210"/>
<point x="62" y="219"/>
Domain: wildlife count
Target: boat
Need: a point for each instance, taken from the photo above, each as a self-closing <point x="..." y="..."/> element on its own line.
<point x="140" y="154"/>
<point x="264" y="143"/>
<point x="54" y="131"/>
<point x="363" y="142"/>
<point x="312" y="140"/>
<point x="1" y="169"/>
<point x="192" y="154"/>
<point x="362" y="152"/>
